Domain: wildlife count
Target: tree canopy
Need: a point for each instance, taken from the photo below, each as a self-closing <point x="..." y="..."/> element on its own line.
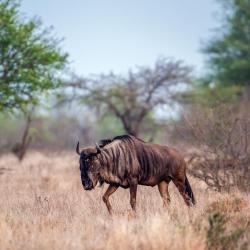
<point x="229" y="51"/>
<point x="30" y="58"/>
<point x="132" y="98"/>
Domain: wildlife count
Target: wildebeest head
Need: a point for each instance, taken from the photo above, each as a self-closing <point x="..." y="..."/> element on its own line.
<point x="88" y="166"/>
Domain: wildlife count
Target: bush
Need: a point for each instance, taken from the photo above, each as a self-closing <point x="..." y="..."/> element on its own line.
<point x="219" y="239"/>
<point x="222" y="136"/>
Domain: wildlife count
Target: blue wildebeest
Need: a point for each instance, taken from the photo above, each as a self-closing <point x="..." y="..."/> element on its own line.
<point x="126" y="161"/>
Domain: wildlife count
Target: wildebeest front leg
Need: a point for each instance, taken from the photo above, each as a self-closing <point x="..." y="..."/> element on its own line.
<point x="133" y="190"/>
<point x="163" y="189"/>
<point x="111" y="189"/>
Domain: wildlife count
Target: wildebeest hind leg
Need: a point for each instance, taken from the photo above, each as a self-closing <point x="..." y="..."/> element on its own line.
<point x="163" y="189"/>
<point x="111" y="189"/>
<point x="180" y="184"/>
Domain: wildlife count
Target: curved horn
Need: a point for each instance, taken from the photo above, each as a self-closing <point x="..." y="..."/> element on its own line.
<point x="77" y="149"/>
<point x="98" y="148"/>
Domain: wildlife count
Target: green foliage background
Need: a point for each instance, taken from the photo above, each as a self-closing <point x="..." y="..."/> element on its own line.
<point x="30" y="58"/>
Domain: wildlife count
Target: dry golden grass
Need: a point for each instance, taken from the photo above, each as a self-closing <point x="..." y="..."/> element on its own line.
<point x="43" y="206"/>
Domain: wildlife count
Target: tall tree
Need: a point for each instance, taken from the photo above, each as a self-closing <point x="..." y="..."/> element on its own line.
<point x="30" y="58"/>
<point x="132" y="98"/>
<point x="229" y="51"/>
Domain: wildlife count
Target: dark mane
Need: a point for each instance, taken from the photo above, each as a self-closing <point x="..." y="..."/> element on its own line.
<point x="123" y="137"/>
<point x="104" y="142"/>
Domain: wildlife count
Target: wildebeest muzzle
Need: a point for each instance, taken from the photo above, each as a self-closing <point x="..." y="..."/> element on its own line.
<point x="86" y="181"/>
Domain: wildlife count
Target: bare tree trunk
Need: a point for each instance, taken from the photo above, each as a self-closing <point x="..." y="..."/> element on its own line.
<point x="130" y="129"/>
<point x="20" y="149"/>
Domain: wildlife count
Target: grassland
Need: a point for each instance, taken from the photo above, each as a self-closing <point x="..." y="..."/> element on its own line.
<point x="43" y="206"/>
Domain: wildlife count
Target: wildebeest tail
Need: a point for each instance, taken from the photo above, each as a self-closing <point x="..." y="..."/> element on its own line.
<point x="189" y="191"/>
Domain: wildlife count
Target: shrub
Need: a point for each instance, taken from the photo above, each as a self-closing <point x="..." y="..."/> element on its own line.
<point x="219" y="239"/>
<point x="222" y="136"/>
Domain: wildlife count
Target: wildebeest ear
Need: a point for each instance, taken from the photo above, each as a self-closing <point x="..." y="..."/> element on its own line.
<point x="77" y="149"/>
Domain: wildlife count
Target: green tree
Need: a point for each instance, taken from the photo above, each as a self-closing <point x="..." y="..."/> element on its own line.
<point x="229" y="51"/>
<point x="30" y="58"/>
